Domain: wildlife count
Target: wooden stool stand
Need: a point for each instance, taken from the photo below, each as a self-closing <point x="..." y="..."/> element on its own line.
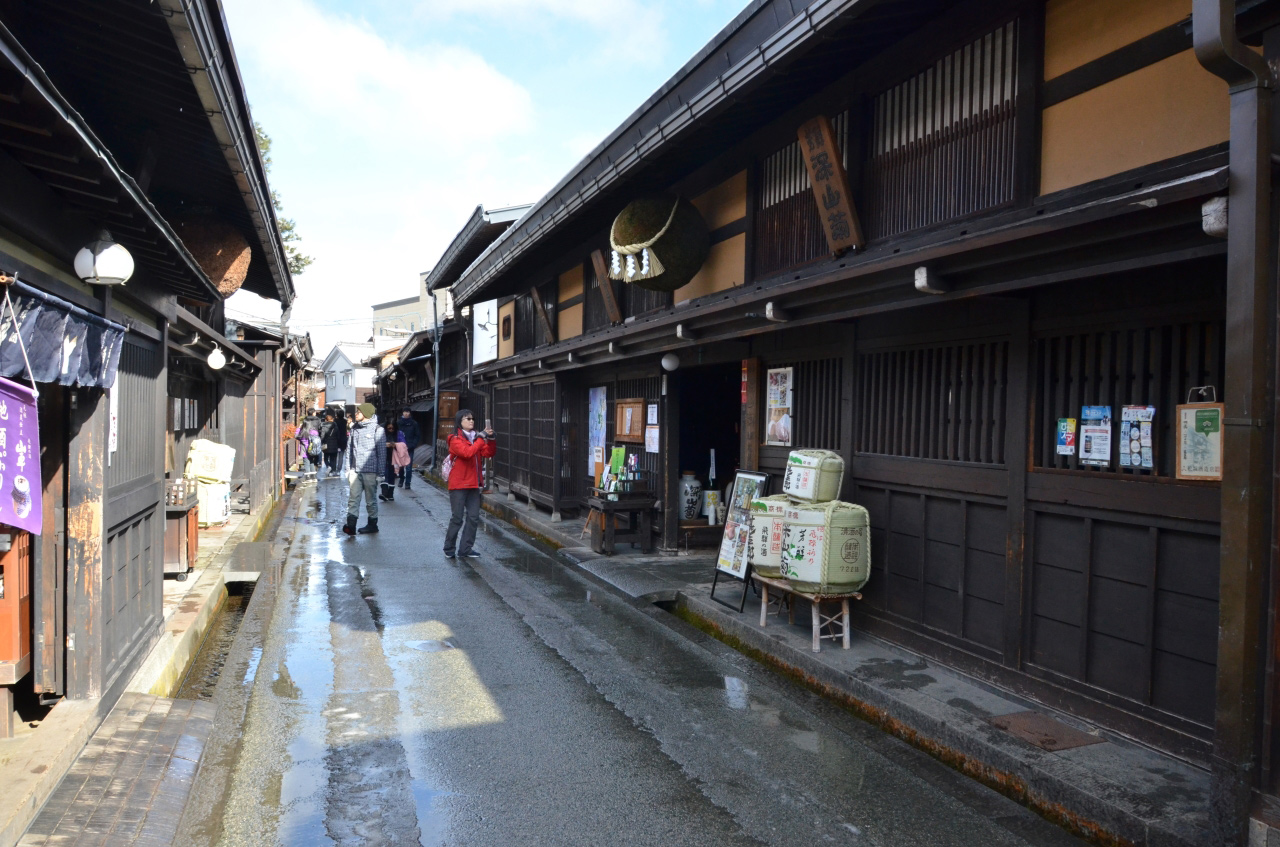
<point x="837" y="622"/>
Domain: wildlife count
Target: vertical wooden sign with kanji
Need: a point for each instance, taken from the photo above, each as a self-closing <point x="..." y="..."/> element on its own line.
<point x="830" y="185"/>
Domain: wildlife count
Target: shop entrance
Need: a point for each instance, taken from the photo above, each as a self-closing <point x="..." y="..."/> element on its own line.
<point x="710" y="406"/>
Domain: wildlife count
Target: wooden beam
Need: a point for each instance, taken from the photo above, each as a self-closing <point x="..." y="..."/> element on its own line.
<point x="541" y="309"/>
<point x="606" y="287"/>
<point x="28" y="118"/>
<point x="750" y="449"/>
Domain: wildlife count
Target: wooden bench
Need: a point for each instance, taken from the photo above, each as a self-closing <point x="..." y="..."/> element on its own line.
<point x="785" y="595"/>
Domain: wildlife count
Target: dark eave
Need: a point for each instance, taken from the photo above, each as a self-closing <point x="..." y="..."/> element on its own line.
<point x="157" y="82"/>
<point x="1078" y="236"/>
<point x="481" y="230"/>
<point x="744" y="78"/>
<point x="199" y="28"/>
<point x="81" y="179"/>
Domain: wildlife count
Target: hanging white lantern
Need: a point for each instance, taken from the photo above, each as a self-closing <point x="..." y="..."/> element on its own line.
<point x="216" y="359"/>
<point x="104" y="262"/>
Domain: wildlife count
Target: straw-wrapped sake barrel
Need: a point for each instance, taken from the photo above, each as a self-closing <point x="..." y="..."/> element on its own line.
<point x="813" y="476"/>
<point x="764" y="549"/>
<point x="826" y="547"/>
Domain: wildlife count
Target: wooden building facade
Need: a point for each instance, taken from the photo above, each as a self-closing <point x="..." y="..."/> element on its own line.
<point x="82" y="151"/>
<point x="1036" y="182"/>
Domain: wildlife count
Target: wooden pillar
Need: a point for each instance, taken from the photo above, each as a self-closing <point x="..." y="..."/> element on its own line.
<point x="48" y="586"/>
<point x="1017" y="459"/>
<point x="750" y="448"/>
<point x="85" y="542"/>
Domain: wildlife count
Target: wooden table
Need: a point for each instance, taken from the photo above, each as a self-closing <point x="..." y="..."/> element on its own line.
<point x="838" y="621"/>
<point x="639" y="512"/>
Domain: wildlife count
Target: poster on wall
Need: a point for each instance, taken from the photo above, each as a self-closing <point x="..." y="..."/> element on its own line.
<point x="747" y="486"/>
<point x="1095" y="436"/>
<point x="597" y="409"/>
<point x="20" y="484"/>
<point x="778" y="407"/>
<point x="1199" y="432"/>
<point x="1135" y="436"/>
<point x="652" y="439"/>
<point x="1066" y="436"/>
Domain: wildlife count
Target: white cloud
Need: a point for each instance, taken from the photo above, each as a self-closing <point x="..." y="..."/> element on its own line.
<point x="381" y="152"/>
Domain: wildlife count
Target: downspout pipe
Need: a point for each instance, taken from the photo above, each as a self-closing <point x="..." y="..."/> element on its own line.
<point x="435" y="391"/>
<point x="1244" y="552"/>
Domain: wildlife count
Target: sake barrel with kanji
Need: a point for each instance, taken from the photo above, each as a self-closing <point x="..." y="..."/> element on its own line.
<point x="813" y="476"/>
<point x="826" y="547"/>
<point x="764" y="548"/>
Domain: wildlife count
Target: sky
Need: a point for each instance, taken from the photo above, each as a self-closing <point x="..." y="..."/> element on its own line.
<point x="391" y="120"/>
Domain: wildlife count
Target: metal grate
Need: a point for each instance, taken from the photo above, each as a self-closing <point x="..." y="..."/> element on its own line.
<point x="788" y="229"/>
<point x="943" y="403"/>
<point x="941" y="143"/>
<point x="1138" y="365"/>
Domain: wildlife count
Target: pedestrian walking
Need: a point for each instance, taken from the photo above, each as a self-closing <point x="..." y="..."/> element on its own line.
<point x="401" y="459"/>
<point x="314" y="456"/>
<point x="366" y="455"/>
<point x="331" y="437"/>
<point x="389" y="482"/>
<point x="412" y="438"/>
<point x="468" y="448"/>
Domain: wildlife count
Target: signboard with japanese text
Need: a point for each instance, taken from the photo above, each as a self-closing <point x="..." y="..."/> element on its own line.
<point x="1136" y="446"/>
<point x="1199" y="433"/>
<point x="20" y="484"/>
<point x="747" y="486"/>
<point x="830" y="185"/>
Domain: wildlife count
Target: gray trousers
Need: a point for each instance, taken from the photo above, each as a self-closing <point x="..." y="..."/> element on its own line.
<point x="465" y="505"/>
<point x="368" y="483"/>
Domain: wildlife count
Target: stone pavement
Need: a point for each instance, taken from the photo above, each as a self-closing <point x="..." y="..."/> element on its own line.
<point x="32" y="766"/>
<point x="1092" y="781"/>
<point x="130" y="784"/>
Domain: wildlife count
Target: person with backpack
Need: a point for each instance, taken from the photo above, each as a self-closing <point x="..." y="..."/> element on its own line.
<point x="462" y="469"/>
<point x="408" y="427"/>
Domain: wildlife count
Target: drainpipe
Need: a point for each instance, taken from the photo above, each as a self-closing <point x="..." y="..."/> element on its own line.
<point x="1244" y="554"/>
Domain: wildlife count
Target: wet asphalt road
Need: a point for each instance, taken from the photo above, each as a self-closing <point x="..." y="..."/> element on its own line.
<point x="403" y="698"/>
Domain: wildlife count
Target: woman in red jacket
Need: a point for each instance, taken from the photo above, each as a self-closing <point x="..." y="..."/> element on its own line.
<point x="468" y="448"/>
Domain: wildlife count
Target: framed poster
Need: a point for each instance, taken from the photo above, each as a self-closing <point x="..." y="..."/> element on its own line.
<point x="778" y="382"/>
<point x="628" y="421"/>
<point x="1199" y="435"/>
<point x="732" y="559"/>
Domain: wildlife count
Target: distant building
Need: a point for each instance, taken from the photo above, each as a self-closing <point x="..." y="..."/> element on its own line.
<point x="346" y="381"/>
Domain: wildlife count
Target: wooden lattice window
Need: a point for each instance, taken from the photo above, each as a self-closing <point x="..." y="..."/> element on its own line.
<point x="942" y="142"/>
<point x="788" y="229"/>
<point x="944" y="402"/>
<point x="1125" y="366"/>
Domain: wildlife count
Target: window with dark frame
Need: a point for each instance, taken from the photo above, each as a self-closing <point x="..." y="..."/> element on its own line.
<point x="941" y="143"/>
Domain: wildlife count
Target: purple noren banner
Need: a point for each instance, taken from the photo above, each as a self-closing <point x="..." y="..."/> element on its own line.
<point x="20" y="484"/>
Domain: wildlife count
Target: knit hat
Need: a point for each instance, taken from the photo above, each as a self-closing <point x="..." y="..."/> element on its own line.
<point x="366" y="409"/>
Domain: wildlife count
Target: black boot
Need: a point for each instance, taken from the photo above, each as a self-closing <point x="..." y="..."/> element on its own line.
<point x="388" y="492"/>
<point x="369" y="528"/>
<point x="350" y="526"/>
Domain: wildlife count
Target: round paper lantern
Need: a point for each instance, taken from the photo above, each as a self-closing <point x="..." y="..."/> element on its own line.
<point x="659" y="242"/>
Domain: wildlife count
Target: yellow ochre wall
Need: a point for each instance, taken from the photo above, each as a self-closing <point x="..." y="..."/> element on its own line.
<point x="569" y="318"/>
<point x="508" y="347"/>
<point x="1158" y="112"/>
<point x="725" y="266"/>
<point x="1079" y="31"/>
<point x="1163" y="110"/>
